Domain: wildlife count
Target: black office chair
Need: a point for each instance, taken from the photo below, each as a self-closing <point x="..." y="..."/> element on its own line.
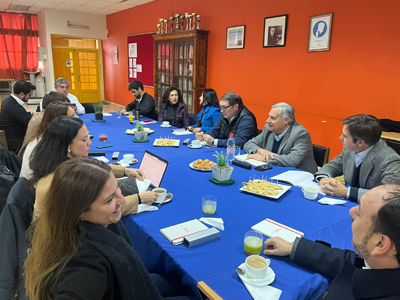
<point x="395" y="145"/>
<point x="14" y="221"/>
<point x="192" y="119"/>
<point x="89" y="109"/>
<point x="321" y="155"/>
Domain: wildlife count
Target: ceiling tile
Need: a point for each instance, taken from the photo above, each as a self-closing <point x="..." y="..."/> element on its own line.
<point x="99" y="4"/>
<point x="24" y="2"/>
<point x="138" y="2"/>
<point x="45" y="4"/>
<point x="113" y="1"/>
<point x="120" y="6"/>
<point x="105" y="11"/>
<point x="4" y="6"/>
<point x="67" y="6"/>
<point x="34" y="9"/>
<point x="5" y="1"/>
<point x="85" y="9"/>
<point x="81" y="2"/>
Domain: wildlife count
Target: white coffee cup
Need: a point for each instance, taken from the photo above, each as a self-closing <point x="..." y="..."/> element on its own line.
<point x="165" y="123"/>
<point x="162" y="193"/>
<point x="196" y="143"/>
<point x="128" y="158"/>
<point x="257" y="266"/>
<point x="310" y="193"/>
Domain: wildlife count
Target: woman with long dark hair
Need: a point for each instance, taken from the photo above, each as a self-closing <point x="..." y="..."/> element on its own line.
<point x="65" y="138"/>
<point x="173" y="109"/>
<point x="79" y="247"/>
<point x="54" y="109"/>
<point x="209" y="115"/>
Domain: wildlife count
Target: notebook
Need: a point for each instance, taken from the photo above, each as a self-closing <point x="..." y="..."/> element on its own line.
<point x="176" y="233"/>
<point x="272" y="228"/>
<point x="153" y="167"/>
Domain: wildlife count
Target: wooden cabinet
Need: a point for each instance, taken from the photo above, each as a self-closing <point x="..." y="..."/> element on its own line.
<point x="180" y="60"/>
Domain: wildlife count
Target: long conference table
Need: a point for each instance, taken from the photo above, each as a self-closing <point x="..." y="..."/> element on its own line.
<point x="211" y="267"/>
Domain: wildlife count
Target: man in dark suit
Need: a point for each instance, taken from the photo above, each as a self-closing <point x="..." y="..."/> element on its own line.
<point x="373" y="273"/>
<point x="14" y="118"/>
<point x="283" y="142"/>
<point x="144" y="102"/>
<point x="365" y="162"/>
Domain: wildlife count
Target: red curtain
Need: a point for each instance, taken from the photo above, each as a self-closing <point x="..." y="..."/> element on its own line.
<point x="18" y="45"/>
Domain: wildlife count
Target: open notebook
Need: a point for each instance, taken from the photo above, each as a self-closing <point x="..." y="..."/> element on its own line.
<point x="300" y="179"/>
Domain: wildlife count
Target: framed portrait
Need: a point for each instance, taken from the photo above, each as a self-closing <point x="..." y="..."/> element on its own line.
<point x="319" y="33"/>
<point x="275" y="31"/>
<point x="235" y="37"/>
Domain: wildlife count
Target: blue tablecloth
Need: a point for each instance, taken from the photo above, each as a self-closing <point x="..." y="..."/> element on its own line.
<point x="215" y="262"/>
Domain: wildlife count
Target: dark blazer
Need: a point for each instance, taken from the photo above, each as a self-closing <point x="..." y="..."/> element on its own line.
<point x="181" y="119"/>
<point x="147" y="106"/>
<point x="14" y="119"/>
<point x="380" y="166"/>
<point x="344" y="267"/>
<point x="14" y="221"/>
<point x="295" y="150"/>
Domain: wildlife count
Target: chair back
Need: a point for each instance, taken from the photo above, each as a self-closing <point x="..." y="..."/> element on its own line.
<point x="3" y="138"/>
<point x="89" y="109"/>
<point x="14" y="222"/>
<point x="395" y="145"/>
<point x="192" y="119"/>
<point x="321" y="155"/>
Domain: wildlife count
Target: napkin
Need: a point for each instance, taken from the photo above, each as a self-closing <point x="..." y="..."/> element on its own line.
<point x="143" y="185"/>
<point x="144" y="207"/>
<point x="263" y="292"/>
<point x="216" y="222"/>
<point x="107" y="115"/>
<point x="331" y="201"/>
<point x="101" y="158"/>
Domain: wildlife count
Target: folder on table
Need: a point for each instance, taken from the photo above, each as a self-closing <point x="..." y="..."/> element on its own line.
<point x="176" y="233"/>
<point x="272" y="228"/>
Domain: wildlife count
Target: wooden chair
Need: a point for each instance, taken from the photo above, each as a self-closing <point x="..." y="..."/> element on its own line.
<point x="321" y="155"/>
<point x="3" y="138"/>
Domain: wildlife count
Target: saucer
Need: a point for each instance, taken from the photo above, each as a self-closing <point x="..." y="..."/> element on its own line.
<point x="267" y="280"/>
<point x="166" y="126"/>
<point x="134" y="161"/>
<point x="191" y="147"/>
<point x="167" y="198"/>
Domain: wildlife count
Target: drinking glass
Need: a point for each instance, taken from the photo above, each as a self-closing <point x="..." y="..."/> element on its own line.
<point x="131" y="116"/>
<point x="118" y="112"/>
<point x="209" y="204"/>
<point x="253" y="242"/>
<point x="103" y="137"/>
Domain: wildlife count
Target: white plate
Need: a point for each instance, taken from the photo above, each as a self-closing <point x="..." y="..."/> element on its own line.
<point x="191" y="147"/>
<point x="267" y="280"/>
<point x="165" y="126"/>
<point x="191" y="166"/>
<point x="134" y="161"/>
<point x="167" y="199"/>
<point x="285" y="188"/>
<point x="132" y="131"/>
<point x="177" y="142"/>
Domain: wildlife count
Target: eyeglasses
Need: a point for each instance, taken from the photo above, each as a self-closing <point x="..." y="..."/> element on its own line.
<point x="225" y="107"/>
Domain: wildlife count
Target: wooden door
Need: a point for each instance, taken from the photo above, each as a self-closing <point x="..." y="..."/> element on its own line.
<point x="81" y="68"/>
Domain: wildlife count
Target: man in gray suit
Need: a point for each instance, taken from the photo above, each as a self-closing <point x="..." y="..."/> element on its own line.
<point x="283" y="142"/>
<point x="366" y="161"/>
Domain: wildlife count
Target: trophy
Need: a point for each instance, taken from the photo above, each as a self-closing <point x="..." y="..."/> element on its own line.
<point x="194" y="21"/>
<point x="158" y="28"/>
<point x="172" y="23"/>
<point x="177" y="21"/>
<point x="187" y="21"/>
<point x="162" y="25"/>
<point x="166" y="25"/>
<point x="198" y="21"/>
<point x="183" y="20"/>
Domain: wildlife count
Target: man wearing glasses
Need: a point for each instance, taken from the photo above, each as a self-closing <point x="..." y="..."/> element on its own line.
<point x="235" y="118"/>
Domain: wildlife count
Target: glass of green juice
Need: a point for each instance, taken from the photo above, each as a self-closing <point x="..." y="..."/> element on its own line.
<point x="253" y="242"/>
<point x="209" y="204"/>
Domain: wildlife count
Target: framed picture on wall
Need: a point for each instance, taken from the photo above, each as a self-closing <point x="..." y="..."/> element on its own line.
<point x="235" y="37"/>
<point x="275" y="31"/>
<point x="319" y="33"/>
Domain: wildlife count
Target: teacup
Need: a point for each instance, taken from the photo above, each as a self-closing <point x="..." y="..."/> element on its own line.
<point x="162" y="193"/>
<point x="195" y="144"/>
<point x="165" y="123"/>
<point x="310" y="193"/>
<point x="257" y="266"/>
<point x="128" y="158"/>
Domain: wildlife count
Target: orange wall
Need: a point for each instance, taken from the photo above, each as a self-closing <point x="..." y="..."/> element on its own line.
<point x="361" y="73"/>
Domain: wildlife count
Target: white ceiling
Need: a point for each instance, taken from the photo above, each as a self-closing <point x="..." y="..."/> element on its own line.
<point x="98" y="7"/>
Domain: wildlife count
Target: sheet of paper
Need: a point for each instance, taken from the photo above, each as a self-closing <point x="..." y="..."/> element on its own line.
<point x="185" y="132"/>
<point x="139" y="68"/>
<point x="132" y="50"/>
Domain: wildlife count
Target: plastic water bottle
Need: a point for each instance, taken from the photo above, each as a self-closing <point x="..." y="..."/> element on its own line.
<point x="230" y="148"/>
